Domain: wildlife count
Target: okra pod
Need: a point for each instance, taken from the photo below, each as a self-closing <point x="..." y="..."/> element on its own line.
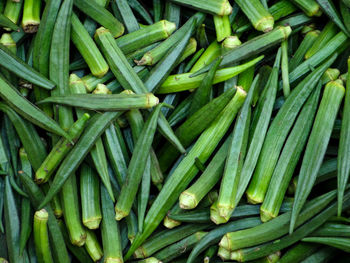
<point x="285" y="69"/>
<point x="137" y="166"/>
<point x="234" y="161"/>
<point x="6" y="22"/>
<point x="331" y="229"/>
<point x="60" y="150"/>
<point x="31" y="16"/>
<point x="310" y="7"/>
<point x="110" y="102"/>
<point x="13" y="10"/>
<point x="110" y="230"/>
<point x="87" y="48"/>
<point x="317" y="144"/>
<point x="41" y="236"/>
<point x="222" y="27"/>
<point x="182" y="82"/>
<point x="90" y="197"/>
<point x="145" y="36"/>
<point x="220" y="7"/>
<point x="127" y="15"/>
<point x="260" y="18"/>
<point x="92" y="246"/>
<point x="328" y="32"/>
<point x="344" y="150"/>
<point x="299" y="252"/>
<point x="172" y="13"/>
<point x="210" y="54"/>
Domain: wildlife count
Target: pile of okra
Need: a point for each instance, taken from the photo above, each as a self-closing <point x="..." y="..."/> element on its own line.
<point x="178" y="131"/>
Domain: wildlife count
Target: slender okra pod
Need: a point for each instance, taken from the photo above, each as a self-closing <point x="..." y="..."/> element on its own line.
<point x="182" y="82"/>
<point x="127" y="15"/>
<point x="6" y="22"/>
<point x="92" y="246"/>
<point x="299" y="252"/>
<point x="310" y="7"/>
<point x="13" y="10"/>
<point x="41" y="236"/>
<point x="87" y="48"/>
<point x="31" y="16"/>
<point x="260" y="18"/>
<point x="137" y="166"/>
<point x="110" y="230"/>
<point x="222" y="27"/>
<point x="90" y="197"/>
<point x="210" y="54"/>
<point x="108" y="102"/>
<point x="317" y="144"/>
<point x="60" y="150"/>
<point x="220" y="7"/>
<point x="145" y="36"/>
<point x="285" y="69"/>
<point x="172" y="13"/>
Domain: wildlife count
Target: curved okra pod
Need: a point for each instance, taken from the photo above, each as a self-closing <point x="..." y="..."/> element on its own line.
<point x="219" y="7"/>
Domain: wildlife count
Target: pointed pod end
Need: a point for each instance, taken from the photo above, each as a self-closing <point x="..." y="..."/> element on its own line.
<point x="170" y="223"/>
<point x="169" y="27"/>
<point x="152" y="100"/>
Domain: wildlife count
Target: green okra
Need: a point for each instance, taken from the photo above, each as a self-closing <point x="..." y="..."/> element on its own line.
<point x="317" y="144"/>
<point x="164" y="67"/>
<point x="13" y="10"/>
<point x="305" y="45"/>
<point x="220" y="7"/>
<point x="41" y="237"/>
<point x="127" y="15"/>
<point x="235" y="158"/>
<point x="331" y="229"/>
<point x="172" y="13"/>
<point x="210" y="54"/>
<point x="222" y="27"/>
<point x="100" y="15"/>
<point x="31" y="16"/>
<point x="202" y="94"/>
<point x="288" y="158"/>
<point x="253" y="47"/>
<point x="214" y="235"/>
<point x="157" y="10"/>
<point x="90" y="197"/>
<point x="344" y="11"/>
<point x="60" y="150"/>
<point x="145" y="36"/>
<point x="111" y="241"/>
<point x="285" y="69"/>
<point x="87" y="48"/>
<point x="92" y="246"/>
<point x="109" y="102"/>
<point x="260" y="18"/>
<point x="137" y="166"/>
<point x="193" y="127"/>
<point x="310" y="7"/>
<point x="71" y="211"/>
<point x="328" y="32"/>
<point x="166" y="238"/>
<point x="97" y="125"/>
<point x="190" y="49"/>
<point x="343" y="164"/>
<point x="187" y="169"/>
<point x="181" y="82"/>
<point x="278" y="132"/>
<point x="179" y="248"/>
<point x="337" y="242"/>
<point x="191" y="197"/>
<point x="153" y="56"/>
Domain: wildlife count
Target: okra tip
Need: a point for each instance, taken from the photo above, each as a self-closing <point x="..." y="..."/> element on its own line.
<point x="215" y="216"/>
<point x="169" y="27"/>
<point x="147" y="59"/>
<point x="254" y="198"/>
<point x="187" y="200"/>
<point x="7" y="40"/>
<point x="265" y="24"/>
<point x="113" y="260"/>
<point x="170" y="223"/>
<point x="140" y="253"/>
<point x="93" y="223"/>
<point x="224" y="254"/>
<point x="2" y="260"/>
<point x="287" y="30"/>
<point x="100" y="31"/>
<point x="120" y="214"/>
<point x="41" y="215"/>
<point x="237" y="255"/>
<point x="231" y="42"/>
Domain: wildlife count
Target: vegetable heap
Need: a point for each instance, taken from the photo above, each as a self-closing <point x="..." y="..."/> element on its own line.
<point x="174" y="131"/>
